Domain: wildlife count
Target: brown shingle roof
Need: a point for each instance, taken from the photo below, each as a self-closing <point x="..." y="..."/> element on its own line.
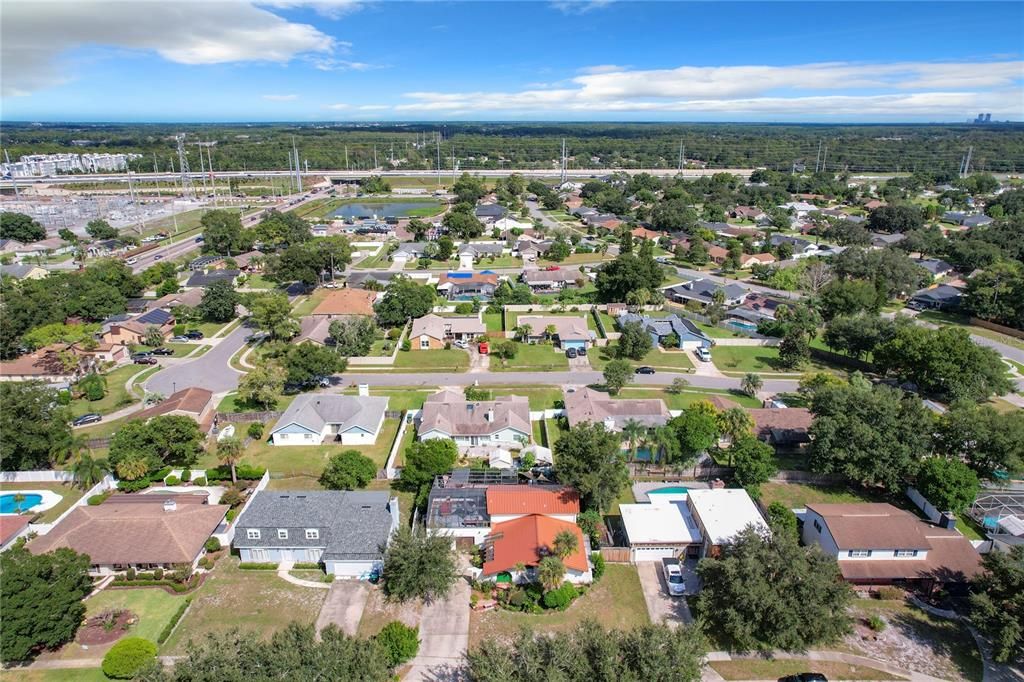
<point x="192" y="400"/>
<point x="11" y="525"/>
<point x="871" y="526"/>
<point x="447" y="414"/>
<point x="347" y="302"/>
<point x="118" y="532"/>
<point x="770" y="419"/>
<point x="42" y="362"/>
<point x="588" y="405"/>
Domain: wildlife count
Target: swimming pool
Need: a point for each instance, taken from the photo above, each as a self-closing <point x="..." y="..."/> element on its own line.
<point x="671" y="490"/>
<point x="8" y="505"/>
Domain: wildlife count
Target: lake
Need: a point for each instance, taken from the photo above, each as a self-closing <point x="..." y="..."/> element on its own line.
<point x="398" y="209"/>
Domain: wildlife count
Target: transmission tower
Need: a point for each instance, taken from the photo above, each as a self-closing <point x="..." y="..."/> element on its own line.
<point x="187" y="188"/>
<point x="564" y="164"/>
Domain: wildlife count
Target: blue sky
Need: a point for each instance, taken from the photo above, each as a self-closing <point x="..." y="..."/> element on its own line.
<point x="316" y="60"/>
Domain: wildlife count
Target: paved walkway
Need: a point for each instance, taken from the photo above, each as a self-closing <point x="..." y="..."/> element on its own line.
<point x="282" y="572"/>
<point x="344" y="606"/>
<point x="444" y="638"/>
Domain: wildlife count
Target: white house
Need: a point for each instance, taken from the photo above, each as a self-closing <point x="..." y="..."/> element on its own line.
<point x="313" y="418"/>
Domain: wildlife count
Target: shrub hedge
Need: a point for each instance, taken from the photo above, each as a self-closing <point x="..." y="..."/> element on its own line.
<point x="127" y="657"/>
<point x="598" y="561"/>
<point x="244" y="472"/>
<point x="253" y="566"/>
<point x="399" y="641"/>
<point x="308" y="565"/>
<point x="169" y="628"/>
<point x="562" y="597"/>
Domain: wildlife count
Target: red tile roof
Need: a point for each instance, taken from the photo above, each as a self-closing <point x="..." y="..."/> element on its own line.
<point x="347" y="302"/>
<point x="528" y="540"/>
<point x="525" y="499"/>
<point x="11" y="525"/>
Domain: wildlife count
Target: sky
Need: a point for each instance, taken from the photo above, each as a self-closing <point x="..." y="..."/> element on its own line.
<point x="596" y="60"/>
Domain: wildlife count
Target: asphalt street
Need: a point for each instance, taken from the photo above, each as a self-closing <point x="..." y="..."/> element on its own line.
<point x="210" y="371"/>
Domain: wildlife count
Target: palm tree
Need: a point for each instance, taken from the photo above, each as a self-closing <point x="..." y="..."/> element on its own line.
<point x="565" y="543"/>
<point x="229" y="451"/>
<point x="89" y="471"/>
<point x="735" y="423"/>
<point x="550" y="331"/>
<point x="550" y="572"/>
<point x="132" y="469"/>
<point x="751" y="384"/>
<point x="666" y="441"/>
<point x="523" y="331"/>
<point x="18" y="499"/>
<point x="632" y="432"/>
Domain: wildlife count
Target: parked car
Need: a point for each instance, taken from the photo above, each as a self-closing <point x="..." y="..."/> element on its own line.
<point x="570" y="353"/>
<point x="484" y="348"/>
<point x="194" y="335"/>
<point x="674" y="579"/>
<point x="162" y="351"/>
<point x="132" y="261"/>
<point x="180" y="339"/>
<point x="703" y="354"/>
<point x="644" y="370"/>
<point x="141" y="354"/>
<point x="804" y="677"/>
<point x="200" y="239"/>
<point x="145" y="360"/>
<point x="90" y="418"/>
<point x="582" y="352"/>
<point x="552" y="268"/>
<point x="460" y="344"/>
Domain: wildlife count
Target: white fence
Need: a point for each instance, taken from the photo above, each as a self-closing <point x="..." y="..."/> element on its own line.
<point x="228" y="534"/>
<point x="538" y="415"/>
<point x="44" y="528"/>
<point x="933" y="514"/>
<point x="390" y="470"/>
<point x="747" y="342"/>
<point x="37" y="477"/>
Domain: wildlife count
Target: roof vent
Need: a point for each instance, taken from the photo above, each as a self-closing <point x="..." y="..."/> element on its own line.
<point x="170" y="505"/>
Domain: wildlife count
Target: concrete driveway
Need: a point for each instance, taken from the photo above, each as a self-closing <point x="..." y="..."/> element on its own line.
<point x="344" y="606"/>
<point x="444" y="638"/>
<point x="660" y="606"/>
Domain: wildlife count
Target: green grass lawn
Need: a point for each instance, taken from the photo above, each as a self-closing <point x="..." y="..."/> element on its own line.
<point x="441" y="360"/>
<point x="231" y="403"/>
<point x="532" y="358"/>
<point x="493" y="321"/>
<point x="69" y="495"/>
<point x="760" y="359"/>
<point x="116" y="396"/>
<point x="153" y="606"/>
<point x="669" y="361"/>
<point x="59" y="675"/>
<point x="208" y="329"/>
<point x="306" y="305"/>
<point x="538" y="433"/>
<point x="257" y="602"/>
<point x="796" y="495"/>
<point x="308" y="460"/>
<point x="615" y="601"/>
<point x="680" y="401"/>
<point x="948" y="320"/>
<point x="399" y="398"/>
<point x="575" y="259"/>
<point x="258" y="281"/>
<point x="553" y="431"/>
<point x="541" y="397"/>
<point x="761" y="669"/>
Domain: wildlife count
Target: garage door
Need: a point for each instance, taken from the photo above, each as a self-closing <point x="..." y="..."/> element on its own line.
<point x="654" y="553"/>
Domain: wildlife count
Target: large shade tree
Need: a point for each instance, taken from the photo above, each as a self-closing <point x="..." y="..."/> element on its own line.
<point x="588" y="457"/>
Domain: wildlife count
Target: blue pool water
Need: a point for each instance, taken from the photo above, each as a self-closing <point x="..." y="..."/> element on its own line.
<point x="676" y="490"/>
<point x="742" y="324"/>
<point x="644" y="455"/>
<point x="9" y="506"/>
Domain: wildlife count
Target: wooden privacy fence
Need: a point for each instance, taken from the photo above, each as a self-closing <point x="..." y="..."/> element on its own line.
<point x="615" y="555"/>
<point x="242" y="417"/>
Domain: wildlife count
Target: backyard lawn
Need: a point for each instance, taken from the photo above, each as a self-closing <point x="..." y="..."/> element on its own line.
<point x="399" y="398"/>
<point x="798" y="495"/>
<point x="441" y="360"/>
<point x="306" y="305"/>
<point x="761" y="669"/>
<point x="493" y="321"/>
<point x="116" y="396"/>
<point x="153" y="606"/>
<point x="532" y="358"/>
<point x="615" y="601"/>
<point x="541" y="397"/>
<point x="948" y="320"/>
<point x="257" y="602"/>
<point x="62" y="675"/>
<point x="764" y="359"/>
<point x="307" y="460"/>
<point x="512" y="317"/>
<point x="669" y="361"/>
<point x="231" y="403"/>
<point x="680" y="401"/>
<point x="553" y="431"/>
<point x="69" y="495"/>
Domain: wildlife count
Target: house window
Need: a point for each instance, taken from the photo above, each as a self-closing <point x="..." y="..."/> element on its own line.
<point x="424" y="343"/>
<point x="252" y="533"/>
<point x="903" y="553"/>
<point x="859" y="553"/>
<point x="817" y="526"/>
<point x="312" y="534"/>
<point x="282" y="533"/>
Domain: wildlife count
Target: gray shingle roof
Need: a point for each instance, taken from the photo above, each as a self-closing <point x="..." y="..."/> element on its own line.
<point x="351" y="524"/>
<point x="315" y="410"/>
<point x="205" y="279"/>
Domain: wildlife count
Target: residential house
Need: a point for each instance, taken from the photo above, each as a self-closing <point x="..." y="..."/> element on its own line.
<point x="747" y="213"/>
<point x="106" y="247"/>
<point x="193" y="402"/>
<point x="937" y="267"/>
<point x="755" y="308"/>
<point x="976" y="221"/>
<point x="507" y="224"/>
<point x="250" y="261"/>
<point x="44" y="247"/>
<point x="344" y="530"/>
<point x="10" y="246"/>
<point x="801" y="247"/>
<point x="661" y="329"/>
<point x="316" y="330"/>
<point x="749" y="260"/>
<point x="473" y="252"/>
<point x="140" y="532"/>
<point x="465" y="286"/>
<point x="57" y="363"/>
<point x="587" y="405"/>
<point x="966" y="219"/>
<point x="878" y="544"/>
<point x="314" y="418"/>
<point x="713" y="226"/>
<point x="583" y="212"/>
<point x="644" y="233"/>
<point x="606" y="220"/>
<point x="733" y="232"/>
<point x="551" y="280"/>
<point x="942" y="297"/>
<point x="880" y="240"/>
<point x="432" y="332"/>
<point x="23" y="271"/>
<point x="570" y="332"/>
<point x="873" y="204"/>
<point x="522" y="544"/>
<point x="799" y="208"/>
<point x="703" y="291"/>
<point x="189" y="297"/>
<point x="457" y="504"/>
<point x="692" y="524"/>
<point x="489" y="213"/>
<point x="346" y="303"/>
<point x="532" y="250"/>
<point x="205" y="278"/>
<point x="12" y="527"/>
<point x="360" y="280"/>
<point x="133" y="331"/>
<point x="410" y="251"/>
<point x="717" y="254"/>
<point x="782" y="427"/>
<point x="448" y="414"/>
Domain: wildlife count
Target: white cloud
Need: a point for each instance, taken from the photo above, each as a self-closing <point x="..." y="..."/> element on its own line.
<point x="35" y="33"/>
<point x="332" y="9"/>
<point x="280" y="98"/>
<point x="338" y="107"/>
<point x="910" y="88"/>
<point x="332" y="64"/>
<point x="603" y="68"/>
<point x="579" y="6"/>
<point x="373" y="107"/>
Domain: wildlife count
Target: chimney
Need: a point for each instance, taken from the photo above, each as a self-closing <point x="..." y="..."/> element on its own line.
<point x="364" y="390"/>
<point x="170" y="505"/>
<point x="489" y="415"/>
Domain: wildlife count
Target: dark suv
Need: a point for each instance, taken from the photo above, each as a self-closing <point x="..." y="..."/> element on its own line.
<point x="194" y="334"/>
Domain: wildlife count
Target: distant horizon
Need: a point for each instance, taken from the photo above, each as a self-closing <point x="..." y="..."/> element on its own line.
<point x="495" y="121"/>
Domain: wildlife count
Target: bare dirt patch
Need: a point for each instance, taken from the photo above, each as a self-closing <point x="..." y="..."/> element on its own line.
<point x="106" y="627"/>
